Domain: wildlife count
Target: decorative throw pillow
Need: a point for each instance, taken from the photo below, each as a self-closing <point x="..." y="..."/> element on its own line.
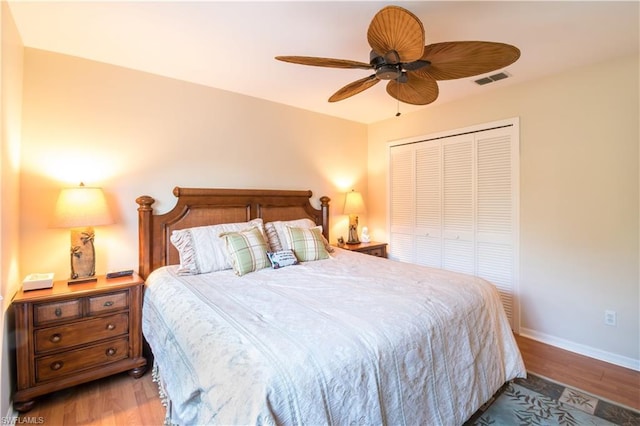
<point x="272" y="237"/>
<point x="282" y="258"/>
<point x="277" y="235"/>
<point x="306" y="243"/>
<point x="201" y="249"/>
<point x="247" y="250"/>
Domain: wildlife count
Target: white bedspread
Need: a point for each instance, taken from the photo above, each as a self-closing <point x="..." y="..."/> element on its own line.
<point x="354" y="339"/>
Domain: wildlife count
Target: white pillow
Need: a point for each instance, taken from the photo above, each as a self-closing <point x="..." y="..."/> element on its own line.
<point x="202" y="250"/>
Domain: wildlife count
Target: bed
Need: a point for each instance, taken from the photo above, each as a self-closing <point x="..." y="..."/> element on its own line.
<point x="339" y="339"/>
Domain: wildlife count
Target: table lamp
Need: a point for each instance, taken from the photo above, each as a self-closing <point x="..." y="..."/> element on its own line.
<point x="353" y="205"/>
<point x="81" y="208"/>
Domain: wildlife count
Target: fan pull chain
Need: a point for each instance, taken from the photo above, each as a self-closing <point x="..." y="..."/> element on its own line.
<point x="397" y="101"/>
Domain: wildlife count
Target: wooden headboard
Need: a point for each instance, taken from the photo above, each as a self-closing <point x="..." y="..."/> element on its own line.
<point x="210" y="206"/>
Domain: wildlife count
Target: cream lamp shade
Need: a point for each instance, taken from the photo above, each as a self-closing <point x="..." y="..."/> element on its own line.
<point x="81" y="208"/>
<point x="353" y="206"/>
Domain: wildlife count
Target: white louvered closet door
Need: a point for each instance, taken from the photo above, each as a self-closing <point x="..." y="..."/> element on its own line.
<point x="428" y="204"/>
<point x="496" y="209"/>
<point x="402" y="235"/>
<point x="454" y="205"/>
<point x="458" y="203"/>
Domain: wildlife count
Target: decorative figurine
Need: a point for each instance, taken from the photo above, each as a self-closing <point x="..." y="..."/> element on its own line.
<point x="364" y="237"/>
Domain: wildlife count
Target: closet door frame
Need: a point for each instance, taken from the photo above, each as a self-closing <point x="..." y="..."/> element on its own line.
<point x="510" y="126"/>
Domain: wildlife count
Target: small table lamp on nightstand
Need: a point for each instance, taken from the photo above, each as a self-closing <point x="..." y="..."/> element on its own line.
<point x="81" y="208"/>
<point x="353" y="205"/>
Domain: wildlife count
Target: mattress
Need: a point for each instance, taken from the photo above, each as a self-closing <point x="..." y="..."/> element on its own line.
<point x="353" y="339"/>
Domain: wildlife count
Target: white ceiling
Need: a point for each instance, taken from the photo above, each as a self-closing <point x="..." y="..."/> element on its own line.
<point x="231" y="45"/>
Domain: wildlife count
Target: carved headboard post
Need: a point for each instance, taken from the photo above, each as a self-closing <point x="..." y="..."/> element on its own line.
<point x="324" y="206"/>
<point x="145" y="216"/>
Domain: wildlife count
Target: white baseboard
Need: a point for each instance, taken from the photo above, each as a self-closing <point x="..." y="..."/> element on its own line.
<point x="585" y="350"/>
<point x="12" y="416"/>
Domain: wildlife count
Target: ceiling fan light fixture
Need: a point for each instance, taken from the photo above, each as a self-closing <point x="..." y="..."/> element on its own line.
<point x="388" y="72"/>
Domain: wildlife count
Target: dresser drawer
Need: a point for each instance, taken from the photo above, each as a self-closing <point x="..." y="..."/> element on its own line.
<point x="80" y="333"/>
<point x="58" y="311"/>
<point x="68" y="363"/>
<point x="108" y="302"/>
<point x="378" y="251"/>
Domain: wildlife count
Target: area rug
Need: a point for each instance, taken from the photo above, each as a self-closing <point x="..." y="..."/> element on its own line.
<point x="537" y="401"/>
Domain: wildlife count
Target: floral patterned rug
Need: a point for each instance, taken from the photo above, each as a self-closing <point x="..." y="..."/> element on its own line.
<point x="537" y="401"/>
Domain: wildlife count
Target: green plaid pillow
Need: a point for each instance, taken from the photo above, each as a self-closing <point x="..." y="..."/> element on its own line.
<point x="247" y="250"/>
<point x="306" y="243"/>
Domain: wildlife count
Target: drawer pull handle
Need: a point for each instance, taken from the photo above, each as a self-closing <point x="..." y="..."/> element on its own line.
<point x="111" y="327"/>
<point x="55" y="338"/>
<point x="111" y="352"/>
<point x="56" y="365"/>
<point x="58" y="312"/>
<point x="108" y="303"/>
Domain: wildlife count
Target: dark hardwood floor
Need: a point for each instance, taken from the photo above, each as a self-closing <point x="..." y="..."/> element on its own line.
<point x="120" y="399"/>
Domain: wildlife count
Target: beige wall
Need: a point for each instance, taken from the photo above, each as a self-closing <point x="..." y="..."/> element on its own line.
<point x="579" y="199"/>
<point x="10" y="110"/>
<point x="134" y="133"/>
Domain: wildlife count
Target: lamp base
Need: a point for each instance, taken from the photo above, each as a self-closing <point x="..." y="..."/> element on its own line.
<point x="83" y="255"/>
<point x="353" y="234"/>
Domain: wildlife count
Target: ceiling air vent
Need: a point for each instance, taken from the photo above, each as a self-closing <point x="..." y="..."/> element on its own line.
<point x="486" y="80"/>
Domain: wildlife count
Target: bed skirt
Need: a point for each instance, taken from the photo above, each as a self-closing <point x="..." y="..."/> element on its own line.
<point x="162" y="393"/>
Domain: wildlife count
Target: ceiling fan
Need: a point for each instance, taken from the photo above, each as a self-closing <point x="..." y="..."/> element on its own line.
<point x="399" y="55"/>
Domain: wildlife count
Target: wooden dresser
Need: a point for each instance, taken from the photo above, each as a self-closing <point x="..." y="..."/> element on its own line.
<point x="75" y="333"/>
<point x="373" y="248"/>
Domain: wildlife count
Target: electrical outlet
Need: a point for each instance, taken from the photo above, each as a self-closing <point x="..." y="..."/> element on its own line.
<point x="610" y="317"/>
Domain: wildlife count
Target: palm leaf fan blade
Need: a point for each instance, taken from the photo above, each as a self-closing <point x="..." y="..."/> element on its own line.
<point x="324" y="62"/>
<point x="354" y="88"/>
<point x="417" y="90"/>
<point x="460" y="59"/>
<point x="396" y="29"/>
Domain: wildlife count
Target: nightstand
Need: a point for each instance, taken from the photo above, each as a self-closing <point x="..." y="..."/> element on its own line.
<point x="76" y="333"/>
<point x="372" y="248"/>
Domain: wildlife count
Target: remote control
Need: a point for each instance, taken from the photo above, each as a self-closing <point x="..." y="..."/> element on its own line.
<point x="117" y="274"/>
